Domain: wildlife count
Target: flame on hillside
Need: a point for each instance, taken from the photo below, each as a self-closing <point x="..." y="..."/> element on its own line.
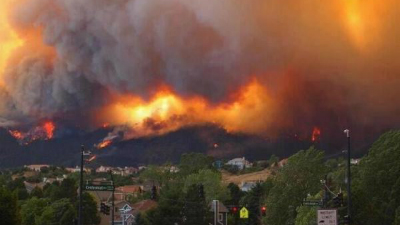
<point x="166" y="112"/>
<point x="104" y="144"/>
<point x="43" y="132"/>
<point x="316" y="134"/>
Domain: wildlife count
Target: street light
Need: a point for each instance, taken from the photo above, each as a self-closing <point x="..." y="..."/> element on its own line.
<point x="347" y="132"/>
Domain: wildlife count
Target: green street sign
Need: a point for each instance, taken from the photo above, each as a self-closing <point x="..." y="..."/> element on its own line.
<point x="312" y="203"/>
<point x="98" y="188"/>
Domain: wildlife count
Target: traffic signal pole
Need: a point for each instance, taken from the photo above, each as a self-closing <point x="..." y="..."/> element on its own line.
<point x="347" y="132"/>
<point x="80" y="188"/>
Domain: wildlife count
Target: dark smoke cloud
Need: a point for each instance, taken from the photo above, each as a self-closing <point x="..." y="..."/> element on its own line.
<point x="301" y="50"/>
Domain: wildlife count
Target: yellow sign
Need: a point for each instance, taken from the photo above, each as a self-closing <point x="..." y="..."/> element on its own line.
<point x="244" y="213"/>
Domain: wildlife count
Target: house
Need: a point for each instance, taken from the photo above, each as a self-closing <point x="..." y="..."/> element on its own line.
<point x="355" y="161"/>
<point x="104" y="169"/>
<point x="125" y="213"/>
<point x="222" y="213"/>
<point x="240" y="163"/>
<point x="123" y="192"/>
<point x="77" y="169"/>
<point x="30" y="186"/>
<point x="247" y="186"/>
<point x="37" y="168"/>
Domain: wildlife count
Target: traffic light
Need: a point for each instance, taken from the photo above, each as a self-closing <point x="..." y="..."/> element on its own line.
<point x="107" y="210"/>
<point x="234" y="209"/>
<point x="338" y="200"/>
<point x="103" y="208"/>
<point x="263" y="211"/>
<point x="153" y="192"/>
<point x="201" y="191"/>
<point x="346" y="220"/>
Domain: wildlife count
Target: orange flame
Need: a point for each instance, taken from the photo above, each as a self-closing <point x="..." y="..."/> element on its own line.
<point x="167" y="111"/>
<point x="104" y="144"/>
<point x="315" y="134"/>
<point x="91" y="158"/>
<point x="49" y="128"/>
<point x="43" y="132"/>
<point x="16" y="134"/>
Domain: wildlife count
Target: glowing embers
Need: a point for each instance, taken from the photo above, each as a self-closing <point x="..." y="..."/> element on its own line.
<point x="42" y="132"/>
<point x="316" y="134"/>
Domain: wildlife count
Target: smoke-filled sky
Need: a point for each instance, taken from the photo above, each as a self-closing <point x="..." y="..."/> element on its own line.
<point x="258" y="66"/>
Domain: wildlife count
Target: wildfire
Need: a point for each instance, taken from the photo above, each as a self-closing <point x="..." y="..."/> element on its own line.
<point x="9" y="40"/>
<point x="362" y="19"/>
<point x="316" y="134"/>
<point x="104" y="144"/>
<point x="91" y="158"/>
<point x="167" y="111"/>
<point x="16" y="134"/>
<point x="43" y="132"/>
<point x="49" y="128"/>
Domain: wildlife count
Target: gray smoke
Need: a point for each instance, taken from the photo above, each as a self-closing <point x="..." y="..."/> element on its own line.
<point x="206" y="48"/>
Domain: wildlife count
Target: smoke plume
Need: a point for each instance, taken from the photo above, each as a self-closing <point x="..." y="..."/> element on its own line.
<point x="332" y="64"/>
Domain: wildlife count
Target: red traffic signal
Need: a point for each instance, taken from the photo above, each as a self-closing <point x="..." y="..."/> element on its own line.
<point x="235" y="209"/>
<point x="263" y="210"/>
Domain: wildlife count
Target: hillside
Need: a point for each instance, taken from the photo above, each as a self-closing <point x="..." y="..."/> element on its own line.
<point x="249" y="177"/>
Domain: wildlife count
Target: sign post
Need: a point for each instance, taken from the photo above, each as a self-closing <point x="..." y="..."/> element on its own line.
<point x="327" y="217"/>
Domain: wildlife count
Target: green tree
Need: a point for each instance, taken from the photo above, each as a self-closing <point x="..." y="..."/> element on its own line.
<point x="37" y="192"/>
<point x="60" y="212"/>
<point x="211" y="181"/>
<point x="194" y="162"/>
<point x="235" y="194"/>
<point x="140" y="220"/>
<point x="156" y="174"/>
<point x="68" y="189"/>
<point x="376" y="186"/>
<point x="90" y="212"/>
<point x="273" y="160"/>
<point x="397" y="217"/>
<point x="299" y="177"/>
<point x="254" y="199"/>
<point x="9" y="212"/>
<point x="170" y="205"/>
<point x="32" y="209"/>
<point x="195" y="209"/>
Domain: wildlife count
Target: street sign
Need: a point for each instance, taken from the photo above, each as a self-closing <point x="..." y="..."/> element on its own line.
<point x="98" y="188"/>
<point x="312" y="203"/>
<point x="244" y="213"/>
<point x="327" y="217"/>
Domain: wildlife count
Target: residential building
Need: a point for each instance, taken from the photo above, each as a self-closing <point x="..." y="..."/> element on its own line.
<point x="240" y="163"/>
<point x="247" y="186"/>
<point x="37" y="168"/>
<point x="222" y="213"/>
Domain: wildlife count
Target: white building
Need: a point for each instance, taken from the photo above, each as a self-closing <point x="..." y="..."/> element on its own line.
<point x="37" y="168"/>
<point x="240" y="163"/>
<point x="247" y="186"/>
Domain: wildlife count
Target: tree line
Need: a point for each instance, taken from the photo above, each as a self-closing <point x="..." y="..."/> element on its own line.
<point x="375" y="189"/>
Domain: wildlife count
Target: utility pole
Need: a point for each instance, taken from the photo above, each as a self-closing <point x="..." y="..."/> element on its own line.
<point x="80" y="187"/>
<point x="347" y="132"/>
